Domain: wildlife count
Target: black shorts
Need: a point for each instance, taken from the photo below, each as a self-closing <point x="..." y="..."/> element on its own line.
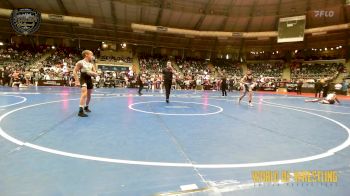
<point x="86" y="81"/>
<point x="331" y="101"/>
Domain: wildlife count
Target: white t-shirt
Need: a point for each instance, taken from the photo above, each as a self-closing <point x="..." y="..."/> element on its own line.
<point x="86" y="66"/>
<point x="330" y="96"/>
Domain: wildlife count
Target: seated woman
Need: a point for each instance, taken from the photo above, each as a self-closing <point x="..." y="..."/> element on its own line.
<point x="330" y="99"/>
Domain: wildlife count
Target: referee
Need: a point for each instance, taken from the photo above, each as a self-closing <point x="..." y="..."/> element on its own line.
<point x="87" y="70"/>
<point x="140" y="82"/>
<point x="168" y="79"/>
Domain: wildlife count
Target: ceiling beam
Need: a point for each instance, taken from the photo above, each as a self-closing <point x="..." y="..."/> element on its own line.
<point x="186" y="7"/>
<point x="251" y="15"/>
<point x="227" y="15"/>
<point x="62" y="7"/>
<point x="200" y="20"/>
<point x="64" y="11"/>
<point x="204" y="15"/>
<point x="307" y="22"/>
<point x="346" y="19"/>
<point x="252" y="10"/>
<point x="334" y="37"/>
<point x="160" y="12"/>
<point x="141" y="13"/>
<point x="159" y="17"/>
<point x="224" y="23"/>
<point x="114" y="16"/>
<point x="9" y="4"/>
<point x="91" y="37"/>
<point x="113" y="13"/>
<point x="274" y="40"/>
<point x="92" y="29"/>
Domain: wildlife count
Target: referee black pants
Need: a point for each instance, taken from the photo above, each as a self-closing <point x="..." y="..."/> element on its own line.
<point x="224" y="93"/>
<point x="140" y="87"/>
<point x="167" y="86"/>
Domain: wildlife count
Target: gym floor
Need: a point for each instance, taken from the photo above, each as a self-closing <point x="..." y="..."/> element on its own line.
<point x="139" y="145"/>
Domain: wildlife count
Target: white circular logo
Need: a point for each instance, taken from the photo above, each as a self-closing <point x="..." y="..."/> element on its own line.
<point x="25" y="20"/>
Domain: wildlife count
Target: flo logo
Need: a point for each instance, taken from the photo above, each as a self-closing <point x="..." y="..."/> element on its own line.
<point x="25" y="20"/>
<point x="324" y="13"/>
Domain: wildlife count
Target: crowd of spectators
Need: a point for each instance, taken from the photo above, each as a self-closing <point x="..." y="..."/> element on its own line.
<point x="228" y="67"/>
<point x="273" y="70"/>
<point x="152" y="64"/>
<point x="19" y="56"/>
<point x="194" y="73"/>
<point x="315" y="71"/>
